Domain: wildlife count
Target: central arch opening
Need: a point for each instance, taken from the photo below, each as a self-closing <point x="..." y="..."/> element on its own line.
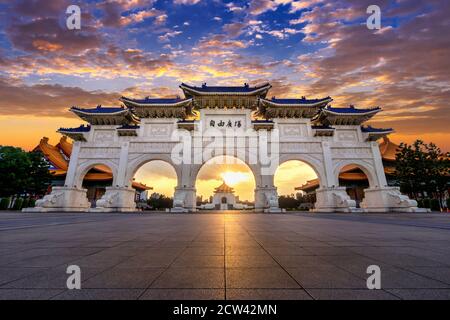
<point x="296" y="183"/>
<point x="161" y="179"/>
<point x="225" y="183"/>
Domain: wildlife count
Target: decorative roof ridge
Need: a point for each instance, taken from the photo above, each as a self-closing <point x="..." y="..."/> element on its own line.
<point x="81" y="128"/>
<point x="303" y="98"/>
<point x="156" y="102"/>
<point x="350" y="110"/>
<point x="369" y="129"/>
<point x="245" y="89"/>
<point x="99" y="110"/>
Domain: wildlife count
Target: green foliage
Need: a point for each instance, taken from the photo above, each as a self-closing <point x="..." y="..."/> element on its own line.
<point x="25" y="203"/>
<point x="4" y="203"/>
<point x="421" y="168"/>
<point x="420" y="203"/>
<point x="448" y="203"/>
<point x="31" y="203"/>
<point x="23" y="172"/>
<point x="426" y="203"/>
<point x="160" y="202"/>
<point x="288" y="202"/>
<point x="434" y="205"/>
<point x="40" y="177"/>
<point x="18" y="204"/>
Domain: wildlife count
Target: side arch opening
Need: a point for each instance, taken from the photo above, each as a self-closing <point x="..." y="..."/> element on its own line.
<point x="296" y="182"/>
<point x="155" y="182"/>
<point x="355" y="178"/>
<point x="95" y="178"/>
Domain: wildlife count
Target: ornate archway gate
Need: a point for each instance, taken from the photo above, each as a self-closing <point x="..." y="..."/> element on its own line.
<point x="234" y="121"/>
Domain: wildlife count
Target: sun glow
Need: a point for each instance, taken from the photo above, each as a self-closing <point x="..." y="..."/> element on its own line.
<point x="233" y="178"/>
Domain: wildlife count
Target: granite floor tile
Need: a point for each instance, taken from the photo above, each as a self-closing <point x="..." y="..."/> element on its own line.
<point x="191" y="278"/>
<point x="259" y="278"/>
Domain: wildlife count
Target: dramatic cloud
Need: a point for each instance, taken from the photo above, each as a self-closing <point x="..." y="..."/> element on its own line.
<point x="310" y="48"/>
<point x="48" y="100"/>
<point x="44" y="35"/>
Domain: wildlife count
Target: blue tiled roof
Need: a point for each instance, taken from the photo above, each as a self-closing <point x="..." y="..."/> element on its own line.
<point x="370" y="129"/>
<point x="186" y="121"/>
<point x="81" y="128"/>
<point x="351" y="109"/>
<point x="128" y="127"/>
<point x="298" y="101"/>
<point x="100" y="109"/>
<point x="154" y="100"/>
<point x="205" y="88"/>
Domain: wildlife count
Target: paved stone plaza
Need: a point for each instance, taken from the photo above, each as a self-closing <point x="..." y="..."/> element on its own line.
<point x="224" y="256"/>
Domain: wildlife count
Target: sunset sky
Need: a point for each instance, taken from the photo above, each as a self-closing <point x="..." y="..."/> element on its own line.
<point x="139" y="48"/>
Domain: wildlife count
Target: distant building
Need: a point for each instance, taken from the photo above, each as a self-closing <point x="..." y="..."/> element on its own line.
<point x="224" y="199"/>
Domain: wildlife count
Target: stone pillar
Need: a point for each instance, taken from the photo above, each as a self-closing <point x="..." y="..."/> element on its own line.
<point x="378" y="166"/>
<point x="266" y="200"/>
<point x="184" y="199"/>
<point x="73" y="166"/>
<point x="330" y="197"/>
<point x="334" y="199"/>
<point x="185" y="196"/>
<point x="65" y="199"/>
<point x="119" y="199"/>
<point x="68" y="198"/>
<point x="266" y="195"/>
<point x="388" y="199"/>
<point x="123" y="164"/>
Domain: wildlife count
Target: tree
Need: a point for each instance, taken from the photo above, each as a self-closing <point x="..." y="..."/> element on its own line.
<point x="40" y="177"/>
<point x="422" y="168"/>
<point x="22" y="172"/>
<point x="288" y="202"/>
<point x="160" y="202"/>
<point x="14" y="175"/>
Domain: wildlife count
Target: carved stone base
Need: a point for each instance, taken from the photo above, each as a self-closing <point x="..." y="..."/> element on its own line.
<point x="184" y="200"/>
<point x="62" y="199"/>
<point x="266" y="200"/>
<point x="180" y="210"/>
<point x="334" y="200"/>
<point x="116" y="199"/>
<point x="388" y="199"/>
